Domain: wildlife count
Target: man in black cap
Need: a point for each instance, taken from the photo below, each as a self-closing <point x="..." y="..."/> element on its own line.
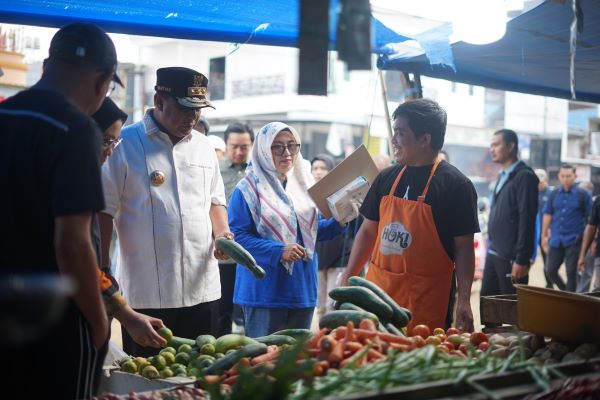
<point x="164" y="191"/>
<point x="50" y="171"/>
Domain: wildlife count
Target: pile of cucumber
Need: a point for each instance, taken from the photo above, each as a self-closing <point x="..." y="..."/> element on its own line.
<point x="365" y="300"/>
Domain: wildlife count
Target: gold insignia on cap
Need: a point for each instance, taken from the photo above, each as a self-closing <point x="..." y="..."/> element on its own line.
<point x="196" y="91"/>
<point x="198" y="80"/>
<point x="157" y="178"/>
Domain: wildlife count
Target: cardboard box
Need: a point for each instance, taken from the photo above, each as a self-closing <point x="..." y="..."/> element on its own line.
<point x="499" y="309"/>
<point x="359" y="163"/>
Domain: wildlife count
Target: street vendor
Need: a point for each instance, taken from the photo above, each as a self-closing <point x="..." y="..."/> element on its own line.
<point x="419" y="220"/>
<point x="164" y="190"/>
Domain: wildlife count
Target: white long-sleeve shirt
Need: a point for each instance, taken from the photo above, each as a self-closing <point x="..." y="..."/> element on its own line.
<point x="165" y="231"/>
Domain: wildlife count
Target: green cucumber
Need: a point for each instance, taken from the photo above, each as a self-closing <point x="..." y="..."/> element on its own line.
<point x="298" y="334"/>
<point x="240" y="255"/>
<point x="400" y="315"/>
<point x="336" y="318"/>
<point x="276" y="340"/>
<point x="225" y="363"/>
<point x="390" y="328"/>
<point x="354" y="307"/>
<point x="177" y="341"/>
<point x="232" y="341"/>
<point x="364" y="298"/>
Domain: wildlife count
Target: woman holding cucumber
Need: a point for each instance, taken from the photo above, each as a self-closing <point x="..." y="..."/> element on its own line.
<point x="273" y="218"/>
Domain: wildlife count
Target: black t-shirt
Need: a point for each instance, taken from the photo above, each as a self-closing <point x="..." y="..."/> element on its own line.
<point x="451" y="195"/>
<point x="595" y="220"/>
<point x="49" y="167"/>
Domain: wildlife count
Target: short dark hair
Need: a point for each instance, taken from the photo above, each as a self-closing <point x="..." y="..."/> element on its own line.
<point x="567" y="166"/>
<point x="239" y="127"/>
<point x="509" y="136"/>
<point x="424" y="116"/>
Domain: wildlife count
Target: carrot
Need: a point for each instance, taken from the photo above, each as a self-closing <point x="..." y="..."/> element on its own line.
<point x="374" y="355"/>
<point x="337" y="354"/>
<point x="361" y="333"/>
<point x="231" y="380"/>
<point x="314" y="342"/>
<point x="378" y="344"/>
<point x="212" y="379"/>
<point x="268" y="356"/>
<point x="354" y="346"/>
<point x="327" y="343"/>
<point x="314" y="352"/>
<point x="245" y="361"/>
<point x="349" y="331"/>
<point x="356" y="359"/>
<point x="324" y="364"/>
<point x="388" y="337"/>
<point x="367" y="325"/>
<point x="340" y="332"/>
<point x="401" y="347"/>
<point x="318" y="369"/>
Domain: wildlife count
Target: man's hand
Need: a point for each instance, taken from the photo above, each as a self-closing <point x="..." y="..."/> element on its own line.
<point x="581" y="264"/>
<point x="293" y="252"/>
<point x="464" y="315"/>
<point x="219" y="255"/>
<point x="545" y="244"/>
<point x="141" y="327"/>
<point x="519" y="270"/>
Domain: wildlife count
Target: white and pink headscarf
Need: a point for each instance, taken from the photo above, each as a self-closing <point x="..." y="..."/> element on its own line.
<point x="278" y="212"/>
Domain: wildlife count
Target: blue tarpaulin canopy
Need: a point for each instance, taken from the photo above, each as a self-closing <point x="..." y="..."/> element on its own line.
<point x="533" y="56"/>
<point x="265" y="22"/>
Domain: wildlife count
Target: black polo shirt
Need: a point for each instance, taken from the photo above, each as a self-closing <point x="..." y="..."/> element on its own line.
<point x="49" y="167"/>
<point x="451" y="195"/>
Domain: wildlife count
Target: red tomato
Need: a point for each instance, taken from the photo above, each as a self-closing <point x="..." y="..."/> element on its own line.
<point x="483" y="346"/>
<point x="463" y="348"/>
<point x="449" y="345"/>
<point x="478" y="337"/>
<point x="418" y="341"/>
<point x="421" y="330"/>
<point x="442" y="337"/>
<point x="452" y="331"/>
<point x="443" y="348"/>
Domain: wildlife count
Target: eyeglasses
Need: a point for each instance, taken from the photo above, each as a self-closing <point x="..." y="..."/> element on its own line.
<point x="111" y="88"/>
<point x="112" y="143"/>
<point x="279" y="149"/>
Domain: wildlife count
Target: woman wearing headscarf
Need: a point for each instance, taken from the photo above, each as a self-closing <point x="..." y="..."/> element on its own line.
<point x="272" y="216"/>
<point x="333" y="253"/>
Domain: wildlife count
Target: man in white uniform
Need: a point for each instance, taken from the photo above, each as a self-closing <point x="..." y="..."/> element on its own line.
<point x="164" y="190"/>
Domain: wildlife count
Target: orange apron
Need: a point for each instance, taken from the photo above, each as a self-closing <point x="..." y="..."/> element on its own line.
<point x="409" y="261"/>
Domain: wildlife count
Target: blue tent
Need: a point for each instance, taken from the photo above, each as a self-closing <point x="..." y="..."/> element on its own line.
<point x="265" y="22"/>
<point x="533" y="56"/>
